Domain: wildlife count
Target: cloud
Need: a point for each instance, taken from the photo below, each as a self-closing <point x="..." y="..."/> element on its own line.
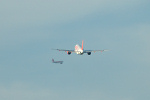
<point x="21" y="20"/>
<point x="55" y="11"/>
<point x="131" y="42"/>
<point x="20" y="91"/>
<point x="142" y="44"/>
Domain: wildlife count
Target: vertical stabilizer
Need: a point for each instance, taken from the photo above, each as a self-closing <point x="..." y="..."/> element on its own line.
<point x="52" y="60"/>
<point x="82" y="44"/>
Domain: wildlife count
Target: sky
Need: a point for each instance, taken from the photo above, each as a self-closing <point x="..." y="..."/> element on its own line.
<point x="30" y="29"/>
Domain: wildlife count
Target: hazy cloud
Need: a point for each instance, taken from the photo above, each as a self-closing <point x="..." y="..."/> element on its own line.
<point x="56" y="11"/>
<point x="19" y="19"/>
<point x="21" y="91"/>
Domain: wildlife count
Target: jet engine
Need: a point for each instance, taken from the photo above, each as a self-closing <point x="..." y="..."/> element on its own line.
<point x="68" y="52"/>
<point x="89" y="53"/>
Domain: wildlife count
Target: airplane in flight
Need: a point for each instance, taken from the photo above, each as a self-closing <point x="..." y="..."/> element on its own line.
<point x="57" y="61"/>
<point x="79" y="50"/>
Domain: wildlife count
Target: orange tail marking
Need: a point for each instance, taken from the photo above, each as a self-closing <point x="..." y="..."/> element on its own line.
<point x="82" y="44"/>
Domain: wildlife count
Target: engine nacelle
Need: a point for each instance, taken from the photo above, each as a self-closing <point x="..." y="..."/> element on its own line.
<point x="89" y="53"/>
<point x="68" y="52"/>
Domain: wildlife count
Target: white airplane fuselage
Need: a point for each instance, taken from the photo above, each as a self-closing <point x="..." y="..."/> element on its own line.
<point x="78" y="50"/>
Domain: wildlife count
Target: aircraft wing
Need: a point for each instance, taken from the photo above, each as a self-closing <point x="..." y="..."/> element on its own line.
<point x="64" y="50"/>
<point x="86" y="51"/>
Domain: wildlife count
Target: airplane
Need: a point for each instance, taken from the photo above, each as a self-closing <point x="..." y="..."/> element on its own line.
<point x="79" y="50"/>
<point x="57" y="61"/>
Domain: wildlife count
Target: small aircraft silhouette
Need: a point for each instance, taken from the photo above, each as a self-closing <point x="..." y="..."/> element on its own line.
<point x="57" y="61"/>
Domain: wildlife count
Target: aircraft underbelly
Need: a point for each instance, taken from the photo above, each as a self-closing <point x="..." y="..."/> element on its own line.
<point x="79" y="52"/>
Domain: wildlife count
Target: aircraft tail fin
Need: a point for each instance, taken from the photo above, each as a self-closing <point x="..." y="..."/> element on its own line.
<point x="52" y="60"/>
<point x="82" y="44"/>
<point x="78" y="47"/>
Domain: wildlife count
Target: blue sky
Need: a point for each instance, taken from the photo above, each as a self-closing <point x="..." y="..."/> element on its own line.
<point x="29" y="29"/>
